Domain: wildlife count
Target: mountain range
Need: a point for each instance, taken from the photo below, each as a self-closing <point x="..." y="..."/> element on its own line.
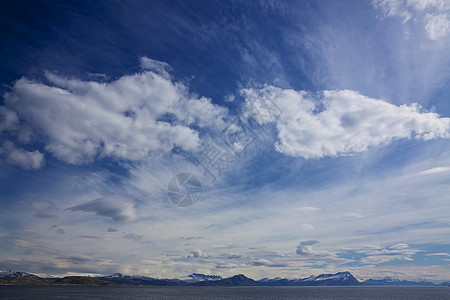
<point x="341" y="278"/>
<point x="195" y="279"/>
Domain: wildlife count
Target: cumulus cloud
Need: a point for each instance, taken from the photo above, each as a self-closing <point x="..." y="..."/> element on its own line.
<point x="119" y="208"/>
<point x="343" y="122"/>
<point x="25" y="159"/>
<point x="8" y="119"/>
<point x="125" y="119"/>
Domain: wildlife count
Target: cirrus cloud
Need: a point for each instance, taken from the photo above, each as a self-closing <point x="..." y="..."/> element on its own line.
<point x="437" y="22"/>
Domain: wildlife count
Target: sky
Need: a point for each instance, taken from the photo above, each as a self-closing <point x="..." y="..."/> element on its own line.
<point x="268" y="138"/>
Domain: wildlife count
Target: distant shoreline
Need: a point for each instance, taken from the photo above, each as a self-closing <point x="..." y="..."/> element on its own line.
<point x="338" y="279"/>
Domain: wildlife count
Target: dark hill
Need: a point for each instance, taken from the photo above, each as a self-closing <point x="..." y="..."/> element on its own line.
<point x="24" y="281"/>
<point x="140" y="280"/>
<point x="237" y="280"/>
<point x="82" y="280"/>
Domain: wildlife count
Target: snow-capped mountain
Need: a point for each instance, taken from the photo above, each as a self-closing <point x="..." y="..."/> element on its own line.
<point x="196" y="277"/>
<point x="236" y="280"/>
<point x="341" y="278"/>
<point x="140" y="280"/>
<point x="9" y="274"/>
<point x="394" y="281"/>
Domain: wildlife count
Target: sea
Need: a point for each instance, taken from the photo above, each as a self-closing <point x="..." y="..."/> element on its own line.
<point x="152" y="292"/>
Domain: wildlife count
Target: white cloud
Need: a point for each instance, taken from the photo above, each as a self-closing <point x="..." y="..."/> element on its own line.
<point x="308" y="254"/>
<point x="8" y="119"/>
<point x="393" y="8"/>
<point x="198" y="254"/>
<point x="383" y="255"/>
<point x="437" y="254"/>
<point x="399" y="246"/>
<point x="20" y="157"/>
<point x="119" y="208"/>
<point x="437" y="26"/>
<point x="229" y="98"/>
<point x="436" y="170"/>
<point x="307" y="226"/>
<point x="428" y="4"/>
<point x="343" y="122"/>
<point x="156" y="66"/>
<point x="126" y="119"/>
<point x="437" y="23"/>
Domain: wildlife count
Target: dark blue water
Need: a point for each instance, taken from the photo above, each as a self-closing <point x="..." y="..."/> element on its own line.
<point x="146" y="292"/>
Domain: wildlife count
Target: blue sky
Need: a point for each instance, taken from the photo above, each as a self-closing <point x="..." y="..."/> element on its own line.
<point x="319" y="131"/>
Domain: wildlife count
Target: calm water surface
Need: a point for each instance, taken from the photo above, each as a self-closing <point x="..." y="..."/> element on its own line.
<point x="146" y="292"/>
